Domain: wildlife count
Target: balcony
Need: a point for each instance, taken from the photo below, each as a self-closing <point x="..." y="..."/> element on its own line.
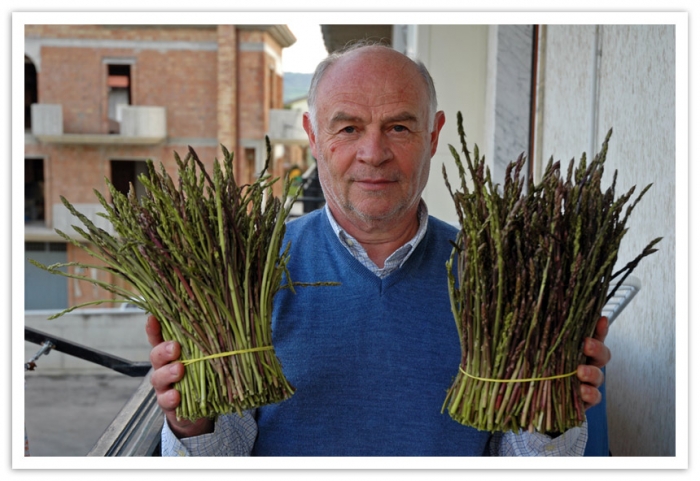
<point x="140" y="125"/>
<point x="63" y="220"/>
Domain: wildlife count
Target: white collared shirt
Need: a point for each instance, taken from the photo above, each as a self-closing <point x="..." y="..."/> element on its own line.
<point x="396" y="259"/>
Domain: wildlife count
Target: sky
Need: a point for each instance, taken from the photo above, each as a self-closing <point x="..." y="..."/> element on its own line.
<point x="307" y="51"/>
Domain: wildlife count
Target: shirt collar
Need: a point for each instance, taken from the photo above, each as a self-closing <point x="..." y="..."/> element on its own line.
<point x="396" y="259"/>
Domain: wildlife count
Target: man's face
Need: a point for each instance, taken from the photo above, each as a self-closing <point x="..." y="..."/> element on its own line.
<point x="373" y="144"/>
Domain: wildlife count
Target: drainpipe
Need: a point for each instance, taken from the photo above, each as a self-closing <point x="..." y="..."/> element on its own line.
<point x="595" y="91"/>
<point x="533" y="100"/>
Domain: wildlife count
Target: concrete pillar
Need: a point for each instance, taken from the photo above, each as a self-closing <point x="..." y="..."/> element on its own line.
<point x="227" y="90"/>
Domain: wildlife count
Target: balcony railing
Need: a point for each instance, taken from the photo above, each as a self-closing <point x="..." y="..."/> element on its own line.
<point x="139" y="125"/>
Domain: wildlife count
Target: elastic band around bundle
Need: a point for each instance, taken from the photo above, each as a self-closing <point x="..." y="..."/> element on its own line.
<point x="558" y="376"/>
<point x="226" y="354"/>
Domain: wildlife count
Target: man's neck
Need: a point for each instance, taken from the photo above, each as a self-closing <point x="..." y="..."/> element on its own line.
<point x="379" y="238"/>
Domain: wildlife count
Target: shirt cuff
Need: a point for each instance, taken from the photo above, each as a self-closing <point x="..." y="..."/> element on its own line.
<point x="233" y="435"/>
<point x="524" y="443"/>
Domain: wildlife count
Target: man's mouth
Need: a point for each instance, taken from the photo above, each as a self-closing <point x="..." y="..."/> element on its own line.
<point x="374" y="184"/>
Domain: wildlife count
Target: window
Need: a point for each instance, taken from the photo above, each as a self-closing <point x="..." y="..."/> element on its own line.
<point x="125" y="173"/>
<point x="119" y="93"/>
<point x="31" y="95"/>
<point x="34" y="191"/>
<point x="43" y="290"/>
<point x="45" y="246"/>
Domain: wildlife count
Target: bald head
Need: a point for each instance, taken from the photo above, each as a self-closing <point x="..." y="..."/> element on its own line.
<point x="373" y="138"/>
<point x="368" y="52"/>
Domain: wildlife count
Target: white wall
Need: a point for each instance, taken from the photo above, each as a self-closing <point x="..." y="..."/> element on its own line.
<point x="629" y="86"/>
<point x="508" y="96"/>
<point x="460" y="76"/>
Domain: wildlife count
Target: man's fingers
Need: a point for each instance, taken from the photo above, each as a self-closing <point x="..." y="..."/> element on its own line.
<point x="168" y="400"/>
<point x="591" y="379"/>
<point x="591" y="396"/>
<point x="164" y="353"/>
<point x="591" y="375"/>
<point x="601" y="329"/>
<point x="595" y="348"/>
<point x="597" y="352"/>
<point x="165" y="374"/>
<point x="153" y="331"/>
<point x="162" y="381"/>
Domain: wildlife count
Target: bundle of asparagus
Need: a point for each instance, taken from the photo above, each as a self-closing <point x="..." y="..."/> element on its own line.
<point x="534" y="271"/>
<point x="204" y="258"/>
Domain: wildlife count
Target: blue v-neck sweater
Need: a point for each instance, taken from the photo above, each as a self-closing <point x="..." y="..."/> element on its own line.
<point x="371" y="359"/>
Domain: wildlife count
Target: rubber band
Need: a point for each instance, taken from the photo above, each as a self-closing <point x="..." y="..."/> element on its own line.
<point x="558" y="376"/>
<point x="187" y="362"/>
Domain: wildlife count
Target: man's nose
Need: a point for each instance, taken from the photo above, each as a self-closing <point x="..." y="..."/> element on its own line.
<point x="373" y="148"/>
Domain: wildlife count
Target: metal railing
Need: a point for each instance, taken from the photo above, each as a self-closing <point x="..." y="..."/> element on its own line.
<point x="135" y="431"/>
<point x="132" y="369"/>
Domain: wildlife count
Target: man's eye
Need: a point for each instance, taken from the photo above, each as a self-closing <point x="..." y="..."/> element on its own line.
<point x="399" y="128"/>
<point x="349" y="130"/>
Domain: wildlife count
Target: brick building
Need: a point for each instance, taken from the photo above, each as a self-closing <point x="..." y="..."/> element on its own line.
<point x="100" y="100"/>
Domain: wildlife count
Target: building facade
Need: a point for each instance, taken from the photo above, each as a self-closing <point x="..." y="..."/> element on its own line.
<point x="101" y="100"/>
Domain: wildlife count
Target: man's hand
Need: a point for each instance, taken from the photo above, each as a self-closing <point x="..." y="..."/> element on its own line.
<point x="166" y="372"/>
<point x="590" y="374"/>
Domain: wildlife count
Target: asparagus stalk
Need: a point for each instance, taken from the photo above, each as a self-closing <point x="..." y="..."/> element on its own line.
<point x="528" y="277"/>
<point x="204" y="256"/>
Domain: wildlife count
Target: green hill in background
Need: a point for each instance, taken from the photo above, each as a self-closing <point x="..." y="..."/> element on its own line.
<point x="296" y="85"/>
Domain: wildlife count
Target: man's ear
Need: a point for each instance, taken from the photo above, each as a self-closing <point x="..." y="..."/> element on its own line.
<point x="310" y="133"/>
<point x="435" y="134"/>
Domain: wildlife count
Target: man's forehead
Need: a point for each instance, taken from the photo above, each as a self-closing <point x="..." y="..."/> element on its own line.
<point x="371" y="98"/>
<point x="383" y="109"/>
<point x="378" y="109"/>
<point x="356" y="92"/>
<point x="381" y="72"/>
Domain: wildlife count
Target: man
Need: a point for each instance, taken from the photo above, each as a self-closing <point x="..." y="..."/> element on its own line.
<point x="372" y="358"/>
